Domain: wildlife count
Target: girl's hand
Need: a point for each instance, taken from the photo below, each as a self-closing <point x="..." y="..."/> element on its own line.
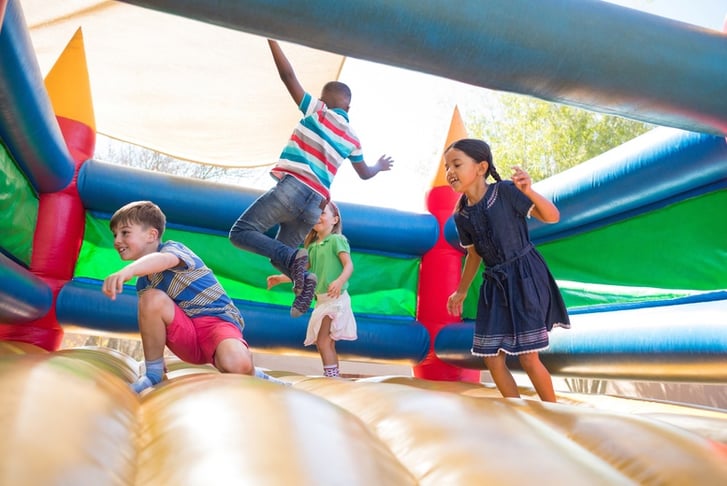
<point x="334" y="289"/>
<point x="274" y="280"/>
<point x="455" y="303"/>
<point x="521" y="179"/>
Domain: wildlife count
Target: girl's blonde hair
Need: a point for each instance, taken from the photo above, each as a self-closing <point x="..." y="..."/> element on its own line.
<point x="312" y="235"/>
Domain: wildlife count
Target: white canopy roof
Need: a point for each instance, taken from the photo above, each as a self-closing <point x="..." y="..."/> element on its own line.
<point x="178" y="86"/>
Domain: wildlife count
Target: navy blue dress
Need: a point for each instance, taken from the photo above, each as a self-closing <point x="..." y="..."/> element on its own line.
<point x="519" y="301"/>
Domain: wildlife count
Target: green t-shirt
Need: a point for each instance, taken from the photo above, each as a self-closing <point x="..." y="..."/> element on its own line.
<point x="324" y="261"/>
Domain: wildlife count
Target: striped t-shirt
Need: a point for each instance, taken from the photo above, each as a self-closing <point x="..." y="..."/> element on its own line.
<point x="320" y="143"/>
<point x="192" y="286"/>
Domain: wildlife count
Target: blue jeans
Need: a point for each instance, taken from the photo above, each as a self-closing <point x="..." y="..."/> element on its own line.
<point x="292" y="205"/>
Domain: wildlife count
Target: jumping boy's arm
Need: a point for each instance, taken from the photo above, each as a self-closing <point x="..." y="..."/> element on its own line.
<point x="285" y="70"/>
<point x="366" y="171"/>
<point x="471" y="266"/>
<point x="148" y="264"/>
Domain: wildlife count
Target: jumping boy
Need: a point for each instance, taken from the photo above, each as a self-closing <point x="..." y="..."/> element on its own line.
<point x="320" y="143"/>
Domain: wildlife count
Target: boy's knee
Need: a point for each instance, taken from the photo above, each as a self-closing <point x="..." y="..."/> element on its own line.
<point x="154" y="299"/>
<point x="232" y="356"/>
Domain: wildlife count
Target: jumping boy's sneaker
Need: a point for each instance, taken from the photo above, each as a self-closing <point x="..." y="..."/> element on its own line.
<point x="298" y="270"/>
<point x="303" y="300"/>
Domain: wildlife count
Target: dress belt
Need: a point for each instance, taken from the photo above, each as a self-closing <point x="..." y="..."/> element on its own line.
<point x="497" y="273"/>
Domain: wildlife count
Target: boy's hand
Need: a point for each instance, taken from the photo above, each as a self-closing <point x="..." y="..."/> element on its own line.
<point x="274" y="280"/>
<point x="384" y="163"/>
<point x="114" y="283"/>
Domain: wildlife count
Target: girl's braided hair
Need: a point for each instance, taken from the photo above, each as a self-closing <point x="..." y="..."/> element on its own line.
<point x="480" y="151"/>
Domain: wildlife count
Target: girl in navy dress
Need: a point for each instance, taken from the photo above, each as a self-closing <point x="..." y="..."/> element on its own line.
<point x="519" y="301"/>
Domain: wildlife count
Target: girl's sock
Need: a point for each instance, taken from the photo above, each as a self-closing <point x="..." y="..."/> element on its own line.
<point x="153" y="375"/>
<point x="331" y="371"/>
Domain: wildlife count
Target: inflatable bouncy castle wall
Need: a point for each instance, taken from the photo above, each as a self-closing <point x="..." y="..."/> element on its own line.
<point x="608" y="248"/>
<point x="639" y="254"/>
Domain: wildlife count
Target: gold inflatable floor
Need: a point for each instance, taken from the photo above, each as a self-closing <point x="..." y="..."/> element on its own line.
<point x="69" y="418"/>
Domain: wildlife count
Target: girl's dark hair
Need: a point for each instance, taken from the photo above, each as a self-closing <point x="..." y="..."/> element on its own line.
<point x="478" y="150"/>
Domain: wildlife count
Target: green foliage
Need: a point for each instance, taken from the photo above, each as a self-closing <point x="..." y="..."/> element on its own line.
<point x="546" y="138"/>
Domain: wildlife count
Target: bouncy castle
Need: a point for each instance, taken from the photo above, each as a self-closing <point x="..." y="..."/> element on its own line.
<point x="639" y="255"/>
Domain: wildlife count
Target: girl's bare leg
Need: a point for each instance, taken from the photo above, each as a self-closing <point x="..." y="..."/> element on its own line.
<point x="539" y="376"/>
<point x="501" y="376"/>
<point x="327" y="348"/>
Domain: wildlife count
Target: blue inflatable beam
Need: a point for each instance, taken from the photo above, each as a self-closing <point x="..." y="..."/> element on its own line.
<point x="590" y="54"/>
<point x="105" y="187"/>
<point x="682" y="341"/>
<point x="23" y="296"/>
<point x="650" y="171"/>
<point x="81" y="303"/>
<point x="28" y="125"/>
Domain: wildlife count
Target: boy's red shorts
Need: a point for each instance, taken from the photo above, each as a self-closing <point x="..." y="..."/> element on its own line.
<point x="195" y="339"/>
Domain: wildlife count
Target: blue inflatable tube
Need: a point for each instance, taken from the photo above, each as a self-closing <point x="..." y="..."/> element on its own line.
<point x="586" y="53"/>
<point x="658" y="168"/>
<point x="81" y="303"/>
<point x="28" y="125"/>
<point x="215" y="207"/>
<point x="23" y="296"/>
<point x="682" y="340"/>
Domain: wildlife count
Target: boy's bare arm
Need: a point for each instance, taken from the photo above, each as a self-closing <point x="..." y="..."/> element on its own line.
<point x="148" y="264"/>
<point x="286" y="72"/>
<point x="366" y="171"/>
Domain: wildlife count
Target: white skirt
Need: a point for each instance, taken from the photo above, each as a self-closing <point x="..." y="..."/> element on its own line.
<point x="343" y="324"/>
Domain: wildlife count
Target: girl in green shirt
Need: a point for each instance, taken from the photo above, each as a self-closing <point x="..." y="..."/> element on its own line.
<point x="330" y="260"/>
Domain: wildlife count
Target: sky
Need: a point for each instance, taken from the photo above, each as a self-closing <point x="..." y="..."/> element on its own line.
<point x="420" y="107"/>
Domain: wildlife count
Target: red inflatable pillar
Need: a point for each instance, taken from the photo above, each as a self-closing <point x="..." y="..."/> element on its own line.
<point x="61" y="215"/>
<point x="439" y="273"/>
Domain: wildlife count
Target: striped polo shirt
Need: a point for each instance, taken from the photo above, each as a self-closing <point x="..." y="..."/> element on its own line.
<point x="192" y="286"/>
<point x="322" y="140"/>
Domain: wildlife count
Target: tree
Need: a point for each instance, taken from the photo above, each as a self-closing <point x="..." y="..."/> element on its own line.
<point x="546" y="138"/>
<point x="124" y="153"/>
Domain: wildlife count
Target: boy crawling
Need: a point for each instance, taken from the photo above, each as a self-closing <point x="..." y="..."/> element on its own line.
<point x="181" y="303"/>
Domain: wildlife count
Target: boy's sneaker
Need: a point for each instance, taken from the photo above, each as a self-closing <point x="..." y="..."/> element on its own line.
<point x="298" y="270"/>
<point x="303" y="300"/>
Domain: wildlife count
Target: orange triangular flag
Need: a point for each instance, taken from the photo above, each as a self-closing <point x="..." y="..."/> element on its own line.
<point x="457" y="131"/>
<point x="68" y="85"/>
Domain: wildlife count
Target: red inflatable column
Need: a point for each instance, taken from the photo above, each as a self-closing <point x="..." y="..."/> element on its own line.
<point x="61" y="215"/>
<point x="440" y="272"/>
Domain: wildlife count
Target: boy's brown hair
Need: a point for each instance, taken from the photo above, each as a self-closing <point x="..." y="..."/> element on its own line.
<point x="144" y="213"/>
